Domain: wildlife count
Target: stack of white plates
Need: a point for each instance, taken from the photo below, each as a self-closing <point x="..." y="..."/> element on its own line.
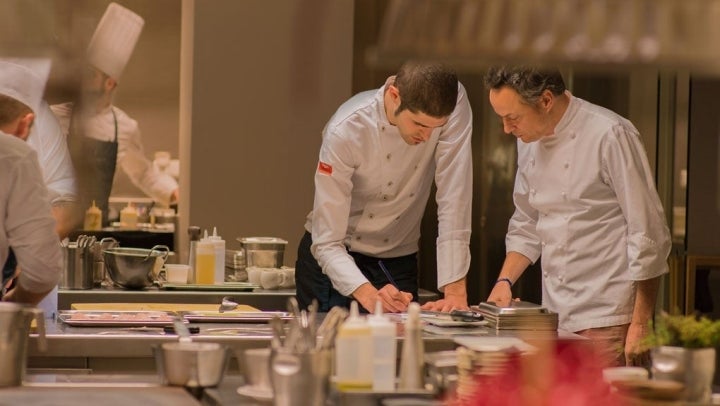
<point x="481" y="357"/>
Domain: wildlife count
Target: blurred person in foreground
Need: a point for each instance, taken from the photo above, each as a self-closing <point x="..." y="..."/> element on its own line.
<point x="380" y="153"/>
<point x="101" y="135"/>
<point x="585" y="202"/>
<point x="29" y="247"/>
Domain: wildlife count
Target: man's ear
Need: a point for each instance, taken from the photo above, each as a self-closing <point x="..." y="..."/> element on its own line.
<point x="109" y="84"/>
<point x="21" y="126"/>
<point x="546" y="100"/>
<point x="394" y="95"/>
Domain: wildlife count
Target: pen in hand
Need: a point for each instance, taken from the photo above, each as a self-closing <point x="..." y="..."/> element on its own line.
<point x="387" y="275"/>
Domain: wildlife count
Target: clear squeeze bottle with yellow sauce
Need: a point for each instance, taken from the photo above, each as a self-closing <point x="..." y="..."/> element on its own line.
<point x="205" y="261"/>
<point x="93" y="218"/>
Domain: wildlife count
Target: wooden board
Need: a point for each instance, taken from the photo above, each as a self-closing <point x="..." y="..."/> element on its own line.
<point x="164" y="307"/>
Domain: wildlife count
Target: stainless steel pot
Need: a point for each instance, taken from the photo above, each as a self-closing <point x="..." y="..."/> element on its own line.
<point x="263" y="252"/>
<point x="132" y="268"/>
<point x="191" y="364"/>
<point x="14" y="329"/>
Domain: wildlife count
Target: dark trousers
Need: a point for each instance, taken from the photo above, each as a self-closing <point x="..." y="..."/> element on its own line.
<point x="312" y="283"/>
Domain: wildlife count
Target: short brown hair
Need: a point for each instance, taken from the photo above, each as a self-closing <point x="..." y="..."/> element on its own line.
<point x="11" y="109"/>
<point x="428" y="88"/>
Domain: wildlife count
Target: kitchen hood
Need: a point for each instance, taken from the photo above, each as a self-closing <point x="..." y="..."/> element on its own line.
<point x="473" y="34"/>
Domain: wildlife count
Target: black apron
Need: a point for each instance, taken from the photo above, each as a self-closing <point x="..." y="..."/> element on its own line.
<point x="94" y="162"/>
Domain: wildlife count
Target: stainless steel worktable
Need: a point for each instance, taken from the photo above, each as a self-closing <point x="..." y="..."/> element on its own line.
<point x="258" y="298"/>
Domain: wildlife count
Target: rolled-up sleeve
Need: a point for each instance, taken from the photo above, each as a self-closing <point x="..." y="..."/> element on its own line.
<point x="522" y="236"/>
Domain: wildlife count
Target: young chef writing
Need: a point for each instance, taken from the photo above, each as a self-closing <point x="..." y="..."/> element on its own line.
<point x="380" y="153"/>
<point x="585" y="202"/>
<point x="101" y="135"/>
<point x="27" y="228"/>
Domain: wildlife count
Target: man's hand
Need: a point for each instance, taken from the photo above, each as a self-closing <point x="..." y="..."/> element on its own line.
<point x="455" y="298"/>
<point x="634" y="356"/>
<point x="392" y="299"/>
<point x="501" y="294"/>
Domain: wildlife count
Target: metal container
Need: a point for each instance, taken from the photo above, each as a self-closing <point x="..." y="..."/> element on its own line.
<point x="263" y="252"/>
<point x="14" y="329"/>
<point x="191" y="364"/>
<point x="78" y="267"/>
<point x="693" y="367"/>
<point x="306" y="373"/>
<point x="132" y="268"/>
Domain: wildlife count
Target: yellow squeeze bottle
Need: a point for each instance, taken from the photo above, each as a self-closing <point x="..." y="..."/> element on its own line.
<point x="205" y="261"/>
<point x="93" y="218"/>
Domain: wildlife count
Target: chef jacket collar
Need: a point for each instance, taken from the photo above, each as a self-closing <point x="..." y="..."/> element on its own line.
<point x="383" y="119"/>
<point x="567" y="117"/>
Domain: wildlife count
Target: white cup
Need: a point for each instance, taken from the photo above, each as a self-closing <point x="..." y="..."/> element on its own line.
<point x="177" y="273"/>
<point x="289" y="277"/>
<point x="273" y="278"/>
<point x="254" y="274"/>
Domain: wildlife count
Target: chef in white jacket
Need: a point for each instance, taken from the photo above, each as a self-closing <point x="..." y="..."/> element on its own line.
<point x="100" y="134"/>
<point x="29" y="247"/>
<point x="380" y="153"/>
<point x="585" y="202"/>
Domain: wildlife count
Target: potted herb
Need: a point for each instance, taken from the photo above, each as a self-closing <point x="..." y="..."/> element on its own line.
<point x="683" y="350"/>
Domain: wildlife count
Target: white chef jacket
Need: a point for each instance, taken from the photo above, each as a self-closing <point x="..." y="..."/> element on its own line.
<point x="26" y="224"/>
<point x="48" y="140"/>
<point x="371" y="189"/>
<point x="585" y="199"/>
<point x="131" y="157"/>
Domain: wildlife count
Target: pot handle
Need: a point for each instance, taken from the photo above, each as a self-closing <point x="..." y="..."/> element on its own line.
<point x="39" y="317"/>
<point x="160" y="248"/>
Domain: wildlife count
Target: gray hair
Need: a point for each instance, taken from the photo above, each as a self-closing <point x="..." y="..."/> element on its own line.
<point x="529" y="82"/>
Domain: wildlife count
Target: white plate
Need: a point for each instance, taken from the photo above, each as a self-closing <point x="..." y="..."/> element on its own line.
<point x="488" y="344"/>
<point x="259" y="394"/>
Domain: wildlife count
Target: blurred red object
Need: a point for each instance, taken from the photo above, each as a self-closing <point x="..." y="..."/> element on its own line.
<point x="563" y="372"/>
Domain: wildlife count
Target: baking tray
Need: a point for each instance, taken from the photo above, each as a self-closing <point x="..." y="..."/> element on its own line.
<point x="233" y="317"/>
<point x="90" y="318"/>
<point x="224" y="287"/>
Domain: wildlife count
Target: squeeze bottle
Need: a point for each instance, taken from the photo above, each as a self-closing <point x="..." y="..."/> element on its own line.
<point x="93" y="218"/>
<point x="128" y="217"/>
<point x="384" y="355"/>
<point x="353" y="345"/>
<point x="219" y="245"/>
<point x="412" y="360"/>
<point x="194" y="237"/>
<point x="205" y="261"/>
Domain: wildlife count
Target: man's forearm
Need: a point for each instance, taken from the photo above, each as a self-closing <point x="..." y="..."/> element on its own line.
<point x="645" y="298"/>
<point x="514" y="266"/>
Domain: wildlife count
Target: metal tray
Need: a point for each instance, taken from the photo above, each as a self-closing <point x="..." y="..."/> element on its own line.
<point x="122" y="318"/>
<point x="515" y="308"/>
<point x="224" y="287"/>
<point x="232" y="317"/>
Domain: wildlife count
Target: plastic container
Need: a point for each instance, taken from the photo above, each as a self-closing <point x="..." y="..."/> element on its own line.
<point x="384" y="340"/>
<point x="219" y="245"/>
<point x="412" y="360"/>
<point x="205" y="261"/>
<point x="353" y="366"/>
<point x="93" y="218"/>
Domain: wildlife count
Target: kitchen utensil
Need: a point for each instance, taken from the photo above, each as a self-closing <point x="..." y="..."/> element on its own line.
<point x="256" y="367"/>
<point x="14" y="329"/>
<point x="182" y="331"/>
<point x="263" y="252"/>
<point x="307" y="373"/>
<point x="227" y="304"/>
<point x="132" y="268"/>
<point x="78" y="265"/>
<point x="89" y="318"/>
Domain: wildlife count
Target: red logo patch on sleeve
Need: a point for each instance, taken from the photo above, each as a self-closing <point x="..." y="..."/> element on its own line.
<point x="325" y="169"/>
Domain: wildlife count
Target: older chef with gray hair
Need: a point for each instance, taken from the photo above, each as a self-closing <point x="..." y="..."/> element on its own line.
<point x="28" y="242"/>
<point x="102" y="136"/>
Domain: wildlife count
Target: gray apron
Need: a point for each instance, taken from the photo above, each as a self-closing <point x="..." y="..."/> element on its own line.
<point x="94" y="162"/>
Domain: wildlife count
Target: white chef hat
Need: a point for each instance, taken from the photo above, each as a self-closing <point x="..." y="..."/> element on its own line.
<point x="24" y="79"/>
<point x="114" y="40"/>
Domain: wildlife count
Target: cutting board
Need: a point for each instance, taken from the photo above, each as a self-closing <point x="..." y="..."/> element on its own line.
<point x="163" y="307"/>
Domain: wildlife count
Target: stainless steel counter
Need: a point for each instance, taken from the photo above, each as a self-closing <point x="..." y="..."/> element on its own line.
<point x="259" y="298"/>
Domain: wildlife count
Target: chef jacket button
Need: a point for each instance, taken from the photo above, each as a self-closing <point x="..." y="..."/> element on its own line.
<point x="382" y="128"/>
<point x="532" y="162"/>
<point x="416" y="166"/>
<point x="564" y="194"/>
<point x="397" y="218"/>
<point x="390" y="183"/>
<point x="565" y="217"/>
<point x="386" y="240"/>
<point x="388" y="156"/>
<point x="358" y="237"/>
<point x="385" y="197"/>
<point x="545" y="273"/>
<point x="543" y="243"/>
<point x="371" y="215"/>
<point x="572" y="136"/>
<point x="532" y="191"/>
<point x="561" y="247"/>
<point x="412" y="194"/>
<point x="567" y="165"/>
<point x="561" y="278"/>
